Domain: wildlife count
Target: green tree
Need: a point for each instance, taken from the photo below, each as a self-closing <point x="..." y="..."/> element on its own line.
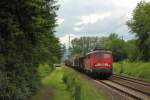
<point x="117" y="46"/>
<point x="26" y="41"/>
<point x="132" y="50"/>
<point x="81" y="46"/>
<point x="63" y="52"/>
<point x="139" y="25"/>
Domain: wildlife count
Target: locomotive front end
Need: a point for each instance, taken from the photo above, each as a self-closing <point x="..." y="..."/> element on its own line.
<point x="102" y="64"/>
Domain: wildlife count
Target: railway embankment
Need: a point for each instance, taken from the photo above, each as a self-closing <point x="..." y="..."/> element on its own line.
<point x="76" y="84"/>
<point x="134" y="69"/>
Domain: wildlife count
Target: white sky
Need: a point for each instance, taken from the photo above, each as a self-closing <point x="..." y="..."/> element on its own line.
<point x="94" y="18"/>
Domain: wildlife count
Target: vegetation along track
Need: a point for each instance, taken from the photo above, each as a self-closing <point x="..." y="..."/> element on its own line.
<point x="129" y="87"/>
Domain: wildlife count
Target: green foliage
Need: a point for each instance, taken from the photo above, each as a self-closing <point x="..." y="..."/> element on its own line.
<point x="63" y="52"/>
<point x="139" y="25"/>
<point x="117" y="46"/>
<point x="135" y="69"/>
<point x="44" y="69"/>
<point x="83" y="45"/>
<point x="26" y="40"/>
<point x="132" y="50"/>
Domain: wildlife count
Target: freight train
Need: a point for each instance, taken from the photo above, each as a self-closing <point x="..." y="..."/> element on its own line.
<point x="97" y="63"/>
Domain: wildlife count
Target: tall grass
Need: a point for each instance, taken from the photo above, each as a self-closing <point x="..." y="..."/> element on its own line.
<point x="136" y="69"/>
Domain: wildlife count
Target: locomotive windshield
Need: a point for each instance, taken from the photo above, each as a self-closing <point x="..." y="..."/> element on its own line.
<point x="106" y="55"/>
<point x="97" y="55"/>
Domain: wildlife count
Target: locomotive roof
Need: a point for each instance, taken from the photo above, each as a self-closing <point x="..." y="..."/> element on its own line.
<point x="95" y="51"/>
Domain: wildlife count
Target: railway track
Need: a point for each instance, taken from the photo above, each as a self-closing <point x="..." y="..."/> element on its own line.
<point x="126" y="87"/>
<point x="139" y="81"/>
<point x="130" y="88"/>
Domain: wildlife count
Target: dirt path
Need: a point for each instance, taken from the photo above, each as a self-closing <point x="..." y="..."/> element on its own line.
<point x="46" y="93"/>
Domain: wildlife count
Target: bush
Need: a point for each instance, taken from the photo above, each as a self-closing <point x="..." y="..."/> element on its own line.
<point x="26" y="40"/>
<point x="44" y="69"/>
<point x="71" y="82"/>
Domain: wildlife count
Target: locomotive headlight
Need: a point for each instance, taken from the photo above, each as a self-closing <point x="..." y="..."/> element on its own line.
<point x="106" y="65"/>
<point x="99" y="64"/>
<point x="102" y="64"/>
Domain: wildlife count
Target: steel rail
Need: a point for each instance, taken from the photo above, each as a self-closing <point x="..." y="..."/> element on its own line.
<point x="142" y="82"/>
<point x="120" y="90"/>
<point x="131" y="87"/>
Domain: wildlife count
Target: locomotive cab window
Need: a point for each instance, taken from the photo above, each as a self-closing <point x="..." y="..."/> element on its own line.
<point x="97" y="55"/>
<point x="88" y="56"/>
<point x="106" y="55"/>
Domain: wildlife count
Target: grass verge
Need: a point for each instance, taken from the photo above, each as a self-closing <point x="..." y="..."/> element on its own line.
<point x="87" y="92"/>
<point x="135" y="69"/>
<point x="54" y="80"/>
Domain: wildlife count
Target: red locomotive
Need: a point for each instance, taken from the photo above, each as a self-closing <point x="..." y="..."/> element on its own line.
<point x="97" y="63"/>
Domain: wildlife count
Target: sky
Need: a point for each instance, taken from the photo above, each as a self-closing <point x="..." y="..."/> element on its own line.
<point x="94" y="18"/>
